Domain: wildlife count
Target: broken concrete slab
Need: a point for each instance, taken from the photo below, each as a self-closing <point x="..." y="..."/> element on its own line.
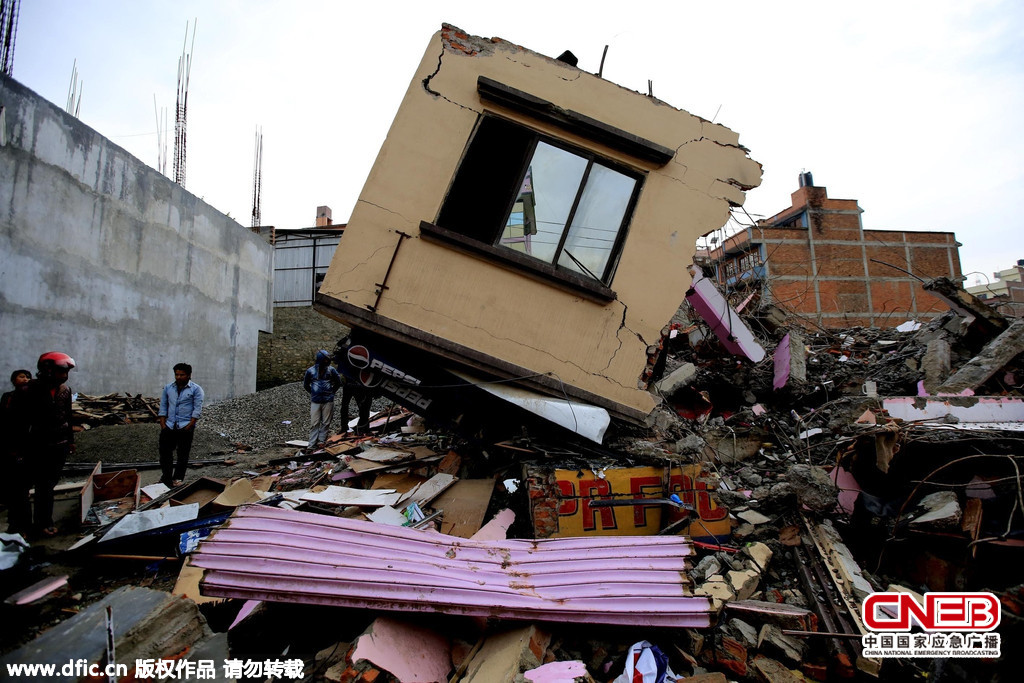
<point x="677" y="379"/>
<point x="410" y="653"/>
<point x="936" y="364"/>
<point x="993" y="358"/>
<point x="771" y="640"/>
<point x="753" y="517"/>
<point x="744" y="583"/>
<point x="759" y="553"/>
<point x="744" y="631"/>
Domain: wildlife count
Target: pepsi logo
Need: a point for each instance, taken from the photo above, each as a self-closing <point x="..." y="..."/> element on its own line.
<point x="359" y="357"/>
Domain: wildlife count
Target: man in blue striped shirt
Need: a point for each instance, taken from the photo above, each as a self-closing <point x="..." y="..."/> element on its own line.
<point x="181" y="404"/>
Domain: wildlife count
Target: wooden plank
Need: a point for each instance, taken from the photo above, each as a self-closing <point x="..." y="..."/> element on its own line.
<point x="432" y="488"/>
<point x="464" y="504"/>
<point x="343" y="495"/>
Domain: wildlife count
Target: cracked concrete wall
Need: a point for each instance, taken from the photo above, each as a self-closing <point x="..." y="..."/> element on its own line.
<point x="598" y="347"/>
<point x="106" y="259"/>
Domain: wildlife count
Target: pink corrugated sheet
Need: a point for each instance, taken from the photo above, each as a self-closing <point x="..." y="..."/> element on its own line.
<point x="288" y="556"/>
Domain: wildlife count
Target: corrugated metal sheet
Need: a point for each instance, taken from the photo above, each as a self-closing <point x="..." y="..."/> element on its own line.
<point x="287" y="556"/>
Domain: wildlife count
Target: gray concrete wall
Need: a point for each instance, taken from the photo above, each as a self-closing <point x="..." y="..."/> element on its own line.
<point x="105" y="259"/>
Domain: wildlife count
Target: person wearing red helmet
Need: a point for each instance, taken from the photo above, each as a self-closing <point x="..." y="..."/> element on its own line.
<point x="50" y="437"/>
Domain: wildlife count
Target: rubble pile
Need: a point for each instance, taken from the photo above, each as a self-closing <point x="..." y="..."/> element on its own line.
<point x="734" y="539"/>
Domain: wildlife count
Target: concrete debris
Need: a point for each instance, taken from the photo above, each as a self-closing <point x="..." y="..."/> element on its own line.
<point x="639" y="442"/>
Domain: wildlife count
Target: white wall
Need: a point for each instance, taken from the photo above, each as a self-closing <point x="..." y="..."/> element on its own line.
<point x="105" y="259"/>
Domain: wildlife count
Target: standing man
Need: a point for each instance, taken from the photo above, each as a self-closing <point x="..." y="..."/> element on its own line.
<point x="17" y="477"/>
<point x="321" y="382"/>
<point x="181" y="404"/>
<point x="50" y="437"/>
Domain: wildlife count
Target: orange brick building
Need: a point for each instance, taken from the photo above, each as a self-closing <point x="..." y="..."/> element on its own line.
<point x="816" y="260"/>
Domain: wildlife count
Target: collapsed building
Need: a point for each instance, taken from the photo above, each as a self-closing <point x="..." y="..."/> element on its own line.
<point x="765" y="474"/>
<point x="528" y="221"/>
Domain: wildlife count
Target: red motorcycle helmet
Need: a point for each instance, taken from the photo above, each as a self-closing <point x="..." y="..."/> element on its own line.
<point x="55" y="359"/>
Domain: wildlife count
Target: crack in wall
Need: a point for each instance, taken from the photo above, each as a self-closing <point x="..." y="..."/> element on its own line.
<point x="426" y="85"/>
<point x="384" y="208"/>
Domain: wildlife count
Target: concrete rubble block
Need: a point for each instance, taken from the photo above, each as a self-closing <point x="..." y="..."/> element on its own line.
<point x="148" y="624"/>
<point x="996" y="354"/>
<point x="503" y="656"/>
<point x="746" y="633"/>
<point x="771" y="671"/>
<point x="744" y="583"/>
<point x="706" y="568"/>
<point x="772" y="641"/>
<point x="753" y="517"/>
<point x="677" y="379"/>
<point x="718" y="589"/>
<point x="940" y="510"/>
<point x="813" y="487"/>
<point x="760" y="555"/>
<point x="409" y="653"/>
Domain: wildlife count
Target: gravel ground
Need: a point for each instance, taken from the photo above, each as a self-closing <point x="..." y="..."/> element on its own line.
<point x="263" y="420"/>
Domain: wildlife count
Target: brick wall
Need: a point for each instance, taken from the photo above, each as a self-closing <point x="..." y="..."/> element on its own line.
<point x="299" y="332"/>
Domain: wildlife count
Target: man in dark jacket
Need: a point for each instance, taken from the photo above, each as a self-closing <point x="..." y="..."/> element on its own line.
<point x="321" y="381"/>
<point x="17" y="478"/>
<point x="50" y="437"/>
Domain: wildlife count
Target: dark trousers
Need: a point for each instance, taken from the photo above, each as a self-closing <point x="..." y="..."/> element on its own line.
<point x="171" y="439"/>
<point x="15" y="486"/>
<point x="364" y="399"/>
<point x="46" y="467"/>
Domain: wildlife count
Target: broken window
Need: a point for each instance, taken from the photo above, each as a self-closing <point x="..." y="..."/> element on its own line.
<point x="537" y="196"/>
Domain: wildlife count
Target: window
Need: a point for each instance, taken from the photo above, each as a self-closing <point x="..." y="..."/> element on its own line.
<point x="526" y="193"/>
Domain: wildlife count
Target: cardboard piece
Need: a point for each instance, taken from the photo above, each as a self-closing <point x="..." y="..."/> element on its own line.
<point x="201" y="492"/>
<point x="238" y="493"/>
<point x="464" y="504"/>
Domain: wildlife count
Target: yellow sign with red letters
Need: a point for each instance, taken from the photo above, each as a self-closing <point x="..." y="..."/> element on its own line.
<point x="577" y="488"/>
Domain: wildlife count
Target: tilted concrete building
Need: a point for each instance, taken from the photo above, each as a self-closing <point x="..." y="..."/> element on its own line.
<point x="528" y="220"/>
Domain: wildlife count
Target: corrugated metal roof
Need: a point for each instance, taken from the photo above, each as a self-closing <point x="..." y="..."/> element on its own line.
<point x="288" y="556"/>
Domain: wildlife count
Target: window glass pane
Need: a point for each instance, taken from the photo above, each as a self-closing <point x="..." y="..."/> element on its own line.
<point x="542" y="207"/>
<point x="597" y="221"/>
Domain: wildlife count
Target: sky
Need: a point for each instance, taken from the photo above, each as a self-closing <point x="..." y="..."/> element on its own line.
<point x="912" y="108"/>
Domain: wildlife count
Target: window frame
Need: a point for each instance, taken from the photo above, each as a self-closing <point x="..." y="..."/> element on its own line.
<point x="548" y="269"/>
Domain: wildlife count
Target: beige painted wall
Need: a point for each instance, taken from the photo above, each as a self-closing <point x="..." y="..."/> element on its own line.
<point x="597" y="347"/>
